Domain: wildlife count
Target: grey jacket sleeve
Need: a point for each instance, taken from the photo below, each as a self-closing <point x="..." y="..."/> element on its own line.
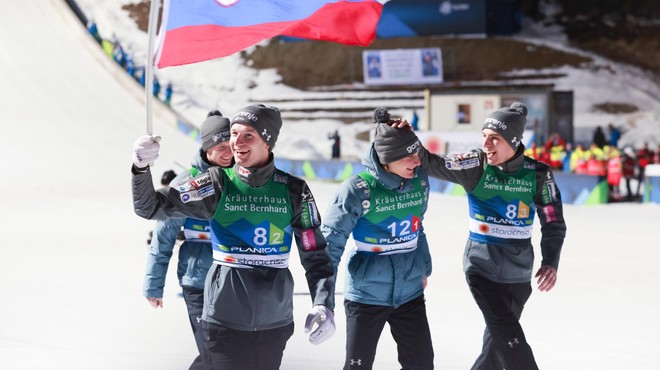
<point x="464" y="169"/>
<point x="196" y="198"/>
<point x="312" y="249"/>
<point x="549" y="208"/>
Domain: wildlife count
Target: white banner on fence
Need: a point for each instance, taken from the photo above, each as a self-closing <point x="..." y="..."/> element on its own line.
<point x="402" y="66"/>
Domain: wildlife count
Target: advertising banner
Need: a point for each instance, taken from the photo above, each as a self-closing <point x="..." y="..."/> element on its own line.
<point x="402" y="66"/>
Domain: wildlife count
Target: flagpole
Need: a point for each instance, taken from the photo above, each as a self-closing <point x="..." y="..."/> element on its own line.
<point x="149" y="64"/>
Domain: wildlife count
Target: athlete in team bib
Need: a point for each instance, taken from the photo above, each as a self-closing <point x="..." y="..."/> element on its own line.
<point x="387" y="270"/>
<point x="256" y="211"/>
<point x="195" y="253"/>
<point x="505" y="189"/>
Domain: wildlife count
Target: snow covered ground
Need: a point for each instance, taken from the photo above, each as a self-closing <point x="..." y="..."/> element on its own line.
<point x="72" y="252"/>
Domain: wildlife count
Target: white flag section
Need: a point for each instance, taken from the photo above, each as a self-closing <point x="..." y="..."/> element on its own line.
<point x="402" y="66"/>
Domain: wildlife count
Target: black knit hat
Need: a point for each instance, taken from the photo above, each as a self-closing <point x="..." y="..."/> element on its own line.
<point x="214" y="130"/>
<point x="392" y="143"/>
<point x="167" y="177"/>
<point x="267" y="121"/>
<point x="509" y="122"/>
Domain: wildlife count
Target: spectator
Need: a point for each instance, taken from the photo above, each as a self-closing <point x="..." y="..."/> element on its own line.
<point x="130" y="66"/>
<point x="629" y="165"/>
<point x="156" y="87"/>
<point x="168" y="94"/>
<point x="118" y="54"/>
<point x="596" y="162"/>
<point x="554" y="147"/>
<point x="644" y="158"/>
<point x="391" y="254"/>
<point x="336" y="144"/>
<point x="94" y="31"/>
<point x="579" y="159"/>
<point x="566" y="160"/>
<point x="599" y="137"/>
<point x="615" y="135"/>
<point x="255" y="211"/>
<point x="614" y="174"/>
<point x="141" y="75"/>
<point x="414" y="122"/>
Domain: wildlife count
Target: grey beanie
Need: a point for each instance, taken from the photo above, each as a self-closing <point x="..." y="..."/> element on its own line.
<point x="509" y="122"/>
<point x="267" y="121"/>
<point x="214" y="130"/>
<point x="392" y="143"/>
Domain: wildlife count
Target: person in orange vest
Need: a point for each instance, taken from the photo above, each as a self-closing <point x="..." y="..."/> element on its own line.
<point x="644" y="158"/>
<point x="554" y="149"/>
<point x="535" y="152"/>
<point x="579" y="159"/>
<point x="596" y="162"/>
<point x="614" y="173"/>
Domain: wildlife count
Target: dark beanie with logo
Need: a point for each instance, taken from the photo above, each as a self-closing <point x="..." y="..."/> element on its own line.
<point x="214" y="130"/>
<point x="167" y="177"/>
<point x="509" y="122"/>
<point x="267" y="121"/>
<point x="392" y="143"/>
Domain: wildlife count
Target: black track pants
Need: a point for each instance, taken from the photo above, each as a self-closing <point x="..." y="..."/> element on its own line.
<point x="231" y="349"/>
<point x="504" y="343"/>
<point x="194" y="299"/>
<point x="409" y="327"/>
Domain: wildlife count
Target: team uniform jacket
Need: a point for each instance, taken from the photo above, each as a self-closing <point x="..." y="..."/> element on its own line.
<point x="238" y="296"/>
<point x="502" y="201"/>
<point x="377" y="278"/>
<point x="195" y="256"/>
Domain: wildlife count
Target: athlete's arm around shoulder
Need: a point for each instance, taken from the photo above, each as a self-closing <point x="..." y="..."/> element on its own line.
<point x="195" y="198"/>
<point x="464" y="169"/>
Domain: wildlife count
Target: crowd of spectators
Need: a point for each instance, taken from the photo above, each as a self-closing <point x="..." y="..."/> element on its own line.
<point x="113" y="49"/>
<point x="603" y="158"/>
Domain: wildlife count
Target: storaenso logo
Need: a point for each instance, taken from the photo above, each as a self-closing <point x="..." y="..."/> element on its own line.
<point x="414" y="146"/>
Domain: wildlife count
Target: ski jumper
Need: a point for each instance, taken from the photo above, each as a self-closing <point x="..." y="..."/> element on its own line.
<point x="249" y="289"/>
<point x="387" y="266"/>
<point x="499" y="256"/>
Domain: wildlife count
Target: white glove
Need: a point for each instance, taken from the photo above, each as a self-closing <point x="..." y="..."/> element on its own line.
<point x="145" y="150"/>
<point x="325" y="319"/>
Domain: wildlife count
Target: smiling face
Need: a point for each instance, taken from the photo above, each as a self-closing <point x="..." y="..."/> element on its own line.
<point x="247" y="146"/>
<point x="497" y="149"/>
<point x="220" y="154"/>
<point x="404" y="167"/>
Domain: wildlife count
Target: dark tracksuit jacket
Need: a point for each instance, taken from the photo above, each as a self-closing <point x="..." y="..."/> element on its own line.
<point x="504" y="260"/>
<point x="246" y="298"/>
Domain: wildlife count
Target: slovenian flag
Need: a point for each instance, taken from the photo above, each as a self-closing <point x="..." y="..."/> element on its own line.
<point x="197" y="30"/>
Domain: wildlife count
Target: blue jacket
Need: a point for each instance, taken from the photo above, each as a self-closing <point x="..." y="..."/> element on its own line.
<point x="384" y="280"/>
<point x="195" y="258"/>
